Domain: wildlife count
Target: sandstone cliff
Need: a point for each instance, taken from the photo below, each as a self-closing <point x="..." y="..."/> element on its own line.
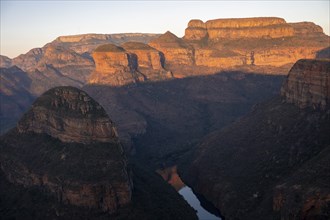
<point x="114" y="66"/>
<point x="133" y="62"/>
<point x="66" y="145"/>
<point x="238" y="28"/>
<point x="149" y="60"/>
<point x="235" y="43"/>
<point x="176" y="50"/>
<point x="308" y="84"/>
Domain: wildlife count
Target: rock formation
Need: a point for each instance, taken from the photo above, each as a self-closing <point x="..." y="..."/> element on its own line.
<point x="217" y="29"/>
<point x="308" y="84"/>
<point x="114" y="66"/>
<point x="133" y="62"/>
<point x="5" y="62"/>
<point x="176" y="50"/>
<point x="65" y="61"/>
<point x="235" y="43"/>
<point x="69" y="115"/>
<point x="150" y="61"/>
<point x="67" y="145"/>
<point x="273" y="161"/>
<point x="148" y="57"/>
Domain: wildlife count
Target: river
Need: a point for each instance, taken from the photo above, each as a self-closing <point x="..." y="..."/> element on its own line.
<point x="170" y="175"/>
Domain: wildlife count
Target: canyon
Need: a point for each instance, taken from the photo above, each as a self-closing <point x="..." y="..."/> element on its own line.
<point x="240" y="108"/>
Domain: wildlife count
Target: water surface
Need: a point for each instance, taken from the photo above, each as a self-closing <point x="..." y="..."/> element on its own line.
<point x="171" y="176"/>
<point x="194" y="202"/>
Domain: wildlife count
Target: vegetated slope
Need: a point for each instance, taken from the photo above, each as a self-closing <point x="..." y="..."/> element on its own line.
<point x="15" y="97"/>
<point x="64" y="160"/>
<point x="273" y="162"/>
<point x="165" y="119"/>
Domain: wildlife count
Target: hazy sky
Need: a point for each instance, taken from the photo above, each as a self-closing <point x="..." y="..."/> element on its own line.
<point x="29" y="24"/>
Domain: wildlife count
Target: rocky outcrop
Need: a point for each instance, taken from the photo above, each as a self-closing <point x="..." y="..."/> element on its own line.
<point x="150" y="61"/>
<point x="66" y="146"/>
<point x="237" y="43"/>
<point x="306" y="28"/>
<point x="5" y="62"/>
<point x="176" y="50"/>
<point x="148" y="57"/>
<point x="133" y="62"/>
<point x="217" y="29"/>
<point x="308" y="84"/>
<point x="114" y="66"/>
<point x="70" y="115"/>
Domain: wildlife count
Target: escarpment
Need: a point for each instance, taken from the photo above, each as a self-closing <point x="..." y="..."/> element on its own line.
<point x="237" y="28"/>
<point x="268" y="41"/>
<point x="67" y="146"/>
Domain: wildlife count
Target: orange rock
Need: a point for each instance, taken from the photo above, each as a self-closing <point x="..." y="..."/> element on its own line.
<point x="196" y="30"/>
<point x="274" y="31"/>
<point x="148" y="57"/>
<point x="114" y="66"/>
<point x="208" y="58"/>
<point x="176" y="51"/>
<point x="244" y="22"/>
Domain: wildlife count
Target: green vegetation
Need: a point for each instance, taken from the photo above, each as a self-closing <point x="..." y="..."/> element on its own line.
<point x="43" y="154"/>
<point x="109" y="48"/>
<point x="69" y="101"/>
<point x="136" y="46"/>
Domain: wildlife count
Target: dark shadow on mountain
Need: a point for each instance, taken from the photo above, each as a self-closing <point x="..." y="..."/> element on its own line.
<point x="162" y="120"/>
<point x="323" y="54"/>
<point x="15" y="97"/>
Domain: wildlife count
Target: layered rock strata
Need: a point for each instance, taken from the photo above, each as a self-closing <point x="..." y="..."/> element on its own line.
<point x="114" y="66"/>
<point x="238" y="28"/>
<point x="69" y="115"/>
<point x="176" y="50"/>
<point x="308" y="84"/>
<point x="133" y="62"/>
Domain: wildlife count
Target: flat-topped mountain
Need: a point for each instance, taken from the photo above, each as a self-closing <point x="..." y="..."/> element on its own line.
<point x="235" y="28"/>
<point x="273" y="162"/>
